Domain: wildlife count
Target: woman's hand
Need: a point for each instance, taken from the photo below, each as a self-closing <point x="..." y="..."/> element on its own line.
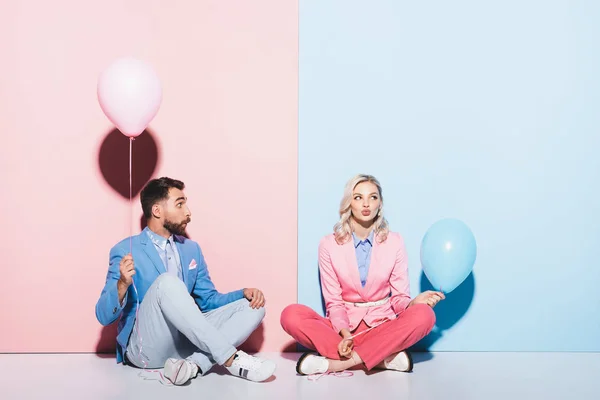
<point x="347" y="344"/>
<point x="345" y="347"/>
<point x="429" y="297"/>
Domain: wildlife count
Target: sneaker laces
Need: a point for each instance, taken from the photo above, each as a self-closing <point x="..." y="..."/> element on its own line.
<point x="339" y="374"/>
<point x="147" y="375"/>
<point x="247" y="361"/>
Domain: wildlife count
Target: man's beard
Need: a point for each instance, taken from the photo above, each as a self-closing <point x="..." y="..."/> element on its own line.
<point x="176" y="229"/>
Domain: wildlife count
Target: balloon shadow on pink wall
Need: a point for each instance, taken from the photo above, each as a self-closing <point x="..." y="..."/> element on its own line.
<point x="113" y="162"/>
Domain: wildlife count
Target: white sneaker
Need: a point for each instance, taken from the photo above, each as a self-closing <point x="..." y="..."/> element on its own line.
<point x="179" y="372"/>
<point x="251" y="367"/>
<point x="310" y="364"/>
<point x="401" y="361"/>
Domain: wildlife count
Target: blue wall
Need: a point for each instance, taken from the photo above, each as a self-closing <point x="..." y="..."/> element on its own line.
<point x="486" y="112"/>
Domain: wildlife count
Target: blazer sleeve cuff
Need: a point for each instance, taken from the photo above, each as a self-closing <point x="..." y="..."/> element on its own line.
<point x="400" y="303"/>
<point x="237" y="295"/>
<point x="339" y="323"/>
<point x="115" y="307"/>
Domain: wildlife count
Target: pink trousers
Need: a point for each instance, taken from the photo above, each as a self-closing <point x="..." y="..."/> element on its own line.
<point x="315" y="332"/>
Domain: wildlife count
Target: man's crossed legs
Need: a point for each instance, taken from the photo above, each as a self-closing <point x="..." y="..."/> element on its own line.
<point x="172" y="331"/>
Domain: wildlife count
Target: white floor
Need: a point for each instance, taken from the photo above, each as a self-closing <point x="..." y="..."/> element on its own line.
<point x="436" y="376"/>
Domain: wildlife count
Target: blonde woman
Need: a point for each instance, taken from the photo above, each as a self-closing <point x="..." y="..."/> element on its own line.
<point x="371" y="318"/>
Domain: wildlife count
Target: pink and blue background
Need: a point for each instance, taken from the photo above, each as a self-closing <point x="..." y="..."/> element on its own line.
<point x="486" y="112"/>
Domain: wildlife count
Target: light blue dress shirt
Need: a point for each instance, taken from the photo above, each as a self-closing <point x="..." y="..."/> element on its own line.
<point x="167" y="250"/>
<point x="363" y="255"/>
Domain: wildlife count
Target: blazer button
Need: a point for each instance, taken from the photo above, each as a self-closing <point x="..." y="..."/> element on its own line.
<point x="115" y="310"/>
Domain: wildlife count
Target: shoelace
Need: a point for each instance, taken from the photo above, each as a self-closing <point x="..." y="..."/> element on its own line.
<point x="340" y="374"/>
<point x="162" y="379"/>
<point x="247" y="361"/>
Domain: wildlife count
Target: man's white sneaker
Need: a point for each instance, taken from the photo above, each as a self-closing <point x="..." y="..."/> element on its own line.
<point x="309" y="364"/>
<point x="401" y="361"/>
<point x="179" y="372"/>
<point x="251" y="367"/>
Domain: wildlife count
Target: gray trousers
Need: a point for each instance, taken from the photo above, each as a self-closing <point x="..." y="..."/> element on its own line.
<point x="170" y="325"/>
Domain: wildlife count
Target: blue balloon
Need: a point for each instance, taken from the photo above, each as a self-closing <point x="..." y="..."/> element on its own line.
<point x="448" y="253"/>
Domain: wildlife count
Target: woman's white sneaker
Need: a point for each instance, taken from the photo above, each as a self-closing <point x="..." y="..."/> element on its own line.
<point x="250" y="367"/>
<point x="401" y="361"/>
<point x="310" y="364"/>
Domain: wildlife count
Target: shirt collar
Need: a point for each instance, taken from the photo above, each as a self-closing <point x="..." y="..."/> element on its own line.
<point x="158" y="240"/>
<point x="369" y="239"/>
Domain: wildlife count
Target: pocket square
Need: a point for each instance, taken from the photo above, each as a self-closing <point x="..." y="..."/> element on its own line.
<point x="193" y="265"/>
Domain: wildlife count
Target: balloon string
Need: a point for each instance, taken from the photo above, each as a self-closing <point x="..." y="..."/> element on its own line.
<point x="373" y="327"/>
<point x="137" y="297"/>
<point x="130" y="195"/>
<point x="131" y="208"/>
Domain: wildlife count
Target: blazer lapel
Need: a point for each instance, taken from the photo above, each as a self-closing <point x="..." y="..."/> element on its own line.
<point x="152" y="253"/>
<point x="352" y="265"/>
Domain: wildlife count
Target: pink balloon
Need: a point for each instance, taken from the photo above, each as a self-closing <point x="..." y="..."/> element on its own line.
<point x="129" y="93"/>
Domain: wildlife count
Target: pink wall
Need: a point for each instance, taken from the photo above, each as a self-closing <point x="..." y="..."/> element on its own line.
<point x="227" y="127"/>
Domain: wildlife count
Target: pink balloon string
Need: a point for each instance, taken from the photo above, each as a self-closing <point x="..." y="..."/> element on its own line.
<point x="373" y="327"/>
<point x="386" y="319"/>
<point x="137" y="297"/>
<point x="162" y="379"/>
<point x="130" y="196"/>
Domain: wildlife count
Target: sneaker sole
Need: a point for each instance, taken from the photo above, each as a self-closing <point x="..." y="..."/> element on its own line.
<point x="410" y="362"/>
<point x="171" y="371"/>
<point x="299" y="363"/>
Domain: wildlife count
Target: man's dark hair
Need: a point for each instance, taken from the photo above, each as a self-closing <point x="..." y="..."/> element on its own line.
<point x="157" y="190"/>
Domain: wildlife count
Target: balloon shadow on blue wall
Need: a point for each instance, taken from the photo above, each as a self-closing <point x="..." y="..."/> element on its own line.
<point x="447" y="312"/>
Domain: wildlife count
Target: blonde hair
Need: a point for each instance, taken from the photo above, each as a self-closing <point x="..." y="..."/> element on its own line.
<point x="343" y="229"/>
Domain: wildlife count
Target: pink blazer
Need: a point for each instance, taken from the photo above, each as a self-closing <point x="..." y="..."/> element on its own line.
<point x="340" y="281"/>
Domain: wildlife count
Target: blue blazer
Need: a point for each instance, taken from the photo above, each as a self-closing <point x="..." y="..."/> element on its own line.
<point x="148" y="266"/>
